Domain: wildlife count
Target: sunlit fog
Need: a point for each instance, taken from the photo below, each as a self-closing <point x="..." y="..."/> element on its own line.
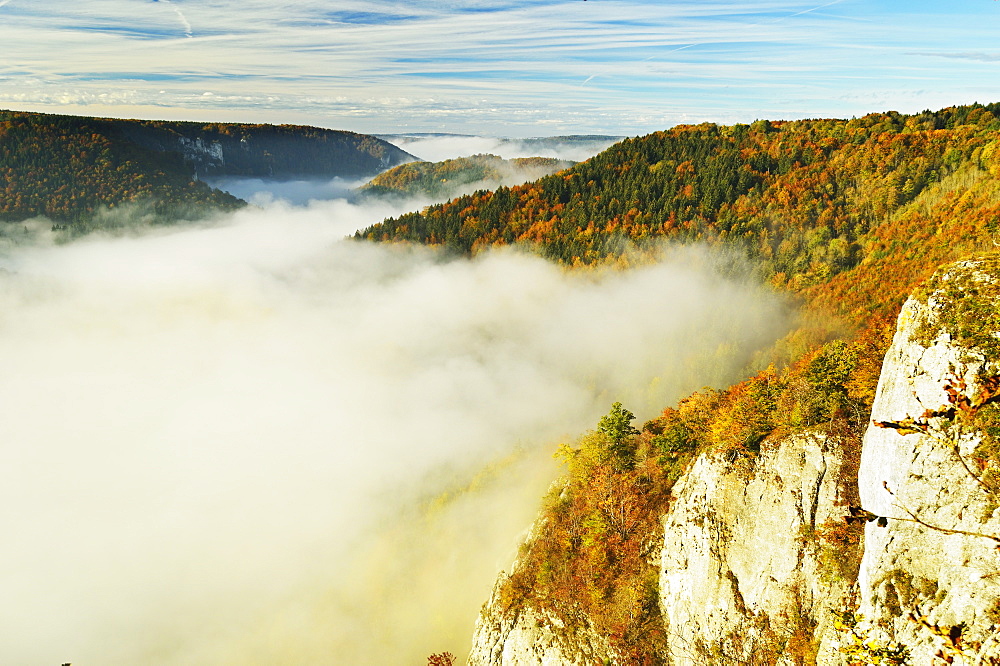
<point x="252" y="441"/>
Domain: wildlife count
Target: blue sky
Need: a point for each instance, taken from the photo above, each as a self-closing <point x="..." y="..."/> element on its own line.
<point x="506" y="67"/>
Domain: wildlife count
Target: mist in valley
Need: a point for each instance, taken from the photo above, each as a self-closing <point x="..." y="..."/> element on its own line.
<point x="428" y="148"/>
<point x="438" y="147"/>
<point x="265" y="191"/>
<point x="252" y="441"/>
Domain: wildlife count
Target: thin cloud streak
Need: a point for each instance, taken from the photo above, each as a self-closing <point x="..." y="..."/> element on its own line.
<point x="977" y="56"/>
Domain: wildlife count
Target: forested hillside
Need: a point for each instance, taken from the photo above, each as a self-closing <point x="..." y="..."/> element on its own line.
<point x="67" y="168"/>
<point x="267" y="151"/>
<point x="848" y="212"/>
<point x="443" y="179"/>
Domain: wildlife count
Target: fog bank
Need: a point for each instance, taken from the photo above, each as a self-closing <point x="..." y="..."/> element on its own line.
<point x="266" y="191"/>
<point x="440" y="147"/>
<point x="219" y="441"/>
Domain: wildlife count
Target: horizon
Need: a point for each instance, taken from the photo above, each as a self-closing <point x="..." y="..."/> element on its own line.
<point x="517" y="69"/>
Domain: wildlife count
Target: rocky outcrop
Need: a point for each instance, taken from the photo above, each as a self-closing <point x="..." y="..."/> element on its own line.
<point x="744" y="575"/>
<point x="206" y="156"/>
<point x="742" y="568"/>
<point x="915" y="577"/>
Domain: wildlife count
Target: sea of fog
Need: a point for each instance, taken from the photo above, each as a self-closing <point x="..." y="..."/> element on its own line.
<point x="252" y="441"/>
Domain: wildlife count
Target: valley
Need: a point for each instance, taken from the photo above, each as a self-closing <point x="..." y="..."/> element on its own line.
<point x="395" y="365"/>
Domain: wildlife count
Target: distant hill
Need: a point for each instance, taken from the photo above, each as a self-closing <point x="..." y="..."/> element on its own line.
<point x="268" y="151"/>
<point x="441" y="180"/>
<point x="68" y="168"/>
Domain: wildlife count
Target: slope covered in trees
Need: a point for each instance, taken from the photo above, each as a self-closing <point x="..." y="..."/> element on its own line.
<point x="444" y="179"/>
<point x="266" y="151"/>
<point x="67" y="167"/>
<point x="850" y="213"/>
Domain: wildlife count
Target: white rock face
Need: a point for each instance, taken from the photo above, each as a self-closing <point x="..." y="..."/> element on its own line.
<point x="740" y="573"/>
<point x="908" y="568"/>
<point x="739" y="567"/>
<point x="529" y="638"/>
<point x="197" y="150"/>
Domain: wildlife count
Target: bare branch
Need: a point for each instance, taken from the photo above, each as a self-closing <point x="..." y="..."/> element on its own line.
<point x="914" y="518"/>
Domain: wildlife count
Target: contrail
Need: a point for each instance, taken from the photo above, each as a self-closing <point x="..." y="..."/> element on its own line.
<point x="4" y="2"/>
<point x="188" y="32"/>
<point x="777" y="20"/>
<point x="806" y="11"/>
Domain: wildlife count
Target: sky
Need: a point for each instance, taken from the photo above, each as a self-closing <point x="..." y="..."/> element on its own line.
<point x="495" y="67"/>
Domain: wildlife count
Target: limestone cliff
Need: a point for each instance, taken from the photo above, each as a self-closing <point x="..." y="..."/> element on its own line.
<point x="518" y="635"/>
<point x="937" y="573"/>
<point x="748" y="571"/>
<point x="263" y="151"/>
<point x="742" y="571"/>
<point x="744" y="576"/>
